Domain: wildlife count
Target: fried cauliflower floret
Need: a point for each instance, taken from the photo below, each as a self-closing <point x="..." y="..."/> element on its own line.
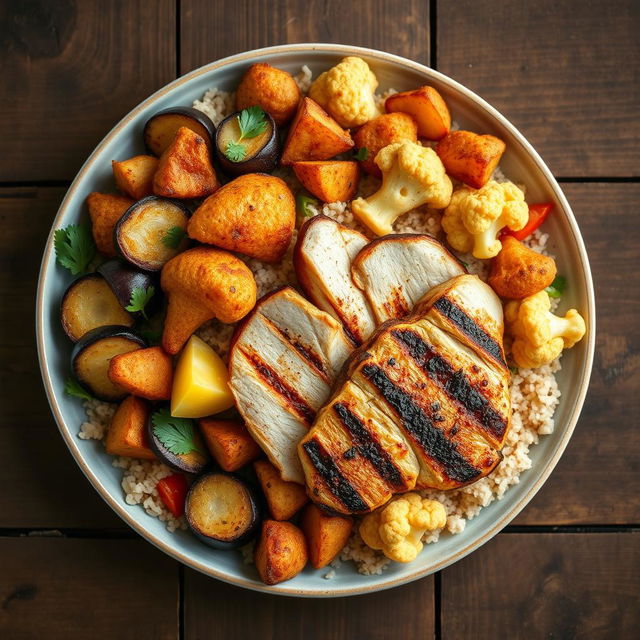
<point x="412" y="175"/>
<point x="539" y="336"/>
<point x="397" y="528"/>
<point x="474" y="217"/>
<point x="346" y="92"/>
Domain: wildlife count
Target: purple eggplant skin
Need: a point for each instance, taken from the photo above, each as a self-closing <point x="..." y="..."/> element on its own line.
<point x="193" y="462"/>
<point x="264" y="161"/>
<point x="123" y="278"/>
<point x="154" y="144"/>
<point x="244" y="536"/>
<point x="95" y="335"/>
<point x="139" y="262"/>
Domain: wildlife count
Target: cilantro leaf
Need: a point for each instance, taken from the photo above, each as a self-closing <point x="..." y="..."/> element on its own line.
<point x="74" y="247"/>
<point x="176" y="434"/>
<point x="139" y="299"/>
<point x="361" y="154"/>
<point x="557" y="287"/>
<point x="173" y="237"/>
<point x="302" y="205"/>
<point x="73" y="388"/>
<point x="235" y="152"/>
<point x="252" y="122"/>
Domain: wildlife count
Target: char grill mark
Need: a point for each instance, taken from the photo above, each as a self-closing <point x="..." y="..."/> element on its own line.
<point x="454" y="383"/>
<point x="421" y="429"/>
<point x="333" y="478"/>
<point x="365" y="444"/>
<point x="470" y="328"/>
<point x="279" y="386"/>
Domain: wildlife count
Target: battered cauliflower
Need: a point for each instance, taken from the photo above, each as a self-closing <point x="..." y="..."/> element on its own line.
<point x="397" y="528"/>
<point x="539" y="336"/>
<point x="474" y="217"/>
<point x="412" y="175"/>
<point x="346" y="92"/>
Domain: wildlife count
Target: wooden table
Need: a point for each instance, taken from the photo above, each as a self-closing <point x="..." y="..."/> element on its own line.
<point x="567" y="74"/>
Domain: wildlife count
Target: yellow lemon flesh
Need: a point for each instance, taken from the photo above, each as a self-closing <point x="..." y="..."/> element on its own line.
<point x="200" y="385"/>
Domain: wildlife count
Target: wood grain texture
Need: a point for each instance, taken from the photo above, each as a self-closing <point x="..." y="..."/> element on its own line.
<point x="397" y="26"/>
<point x="69" y="70"/>
<point x="545" y="586"/>
<point x="405" y="613"/>
<point x="59" y="588"/>
<point x="567" y="74"/>
<point x="604" y="452"/>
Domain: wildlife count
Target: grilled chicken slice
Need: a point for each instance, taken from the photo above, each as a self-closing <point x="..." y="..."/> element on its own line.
<point x="284" y="359"/>
<point x="423" y="404"/>
<point x="396" y="271"/>
<point x="322" y="260"/>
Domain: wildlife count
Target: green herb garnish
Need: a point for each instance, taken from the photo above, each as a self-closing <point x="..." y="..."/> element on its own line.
<point x="73" y="388"/>
<point x="173" y="237"/>
<point x="361" y="154"/>
<point x="303" y="202"/>
<point x="139" y="299"/>
<point x="74" y="247"/>
<point x="251" y="122"/>
<point x="513" y="370"/>
<point x="557" y="287"/>
<point x="176" y="434"/>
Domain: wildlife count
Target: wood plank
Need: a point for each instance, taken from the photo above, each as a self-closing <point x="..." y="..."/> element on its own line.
<point x="405" y="613"/>
<point x="70" y="588"/>
<point x="565" y="73"/>
<point x="69" y="71"/>
<point x="212" y="30"/>
<point x="545" y="586"/>
<point x="604" y="452"/>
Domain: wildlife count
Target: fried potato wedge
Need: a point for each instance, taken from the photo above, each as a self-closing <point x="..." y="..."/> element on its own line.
<point x="134" y="177"/>
<point x="428" y="109"/>
<point x="105" y="209"/>
<point x="281" y="552"/>
<point x="284" y="498"/>
<point x="469" y="157"/>
<point x="147" y="373"/>
<point x="314" y="135"/>
<point x="326" y="535"/>
<point x="230" y="442"/>
<point x="331" y="181"/>
<point x="127" y="433"/>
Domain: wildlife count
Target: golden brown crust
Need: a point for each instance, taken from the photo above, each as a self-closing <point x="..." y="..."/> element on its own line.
<point x="281" y="552"/>
<point x="105" y="209"/>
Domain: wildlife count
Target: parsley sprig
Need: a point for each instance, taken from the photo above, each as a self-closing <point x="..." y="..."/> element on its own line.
<point x="557" y="287"/>
<point x="75" y="248"/>
<point x="173" y="237"/>
<point x="74" y="389"/>
<point x="303" y="202"/>
<point x="176" y="434"/>
<point x="361" y="154"/>
<point x="251" y="122"/>
<point x="140" y="297"/>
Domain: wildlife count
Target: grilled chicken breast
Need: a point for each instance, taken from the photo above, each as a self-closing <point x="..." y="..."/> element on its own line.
<point x="283" y="362"/>
<point x="322" y="258"/>
<point x="423" y="404"/>
<point x="396" y="271"/>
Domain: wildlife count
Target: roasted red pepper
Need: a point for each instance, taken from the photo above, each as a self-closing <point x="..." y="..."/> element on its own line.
<point x="537" y="215"/>
<point x="173" y="492"/>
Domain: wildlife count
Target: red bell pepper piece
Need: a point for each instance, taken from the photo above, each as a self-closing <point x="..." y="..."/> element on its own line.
<point x="173" y="492"/>
<point x="537" y="215"/>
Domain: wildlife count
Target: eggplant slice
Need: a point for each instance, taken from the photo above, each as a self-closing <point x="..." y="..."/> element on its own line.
<point x="255" y="155"/>
<point x="88" y="303"/>
<point x="123" y="279"/>
<point x="151" y="232"/>
<point x="223" y="511"/>
<point x="161" y="128"/>
<point x="91" y="356"/>
<point x="195" y="460"/>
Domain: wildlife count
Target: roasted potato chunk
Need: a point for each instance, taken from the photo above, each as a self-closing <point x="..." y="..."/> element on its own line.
<point x="254" y="214"/>
<point x="229" y="442"/>
<point x="281" y="552"/>
<point x="284" y="498"/>
<point x="105" y="209"/>
<point x="314" y="135"/>
<point x="185" y="169"/>
<point x="380" y="132"/>
<point x="329" y="180"/>
<point x="127" y="433"/>
<point x="134" y="177"/>
<point x="272" y="89"/>
<point x="326" y="535"/>
<point x="519" y="272"/>
<point x="427" y="108"/>
<point x="469" y="157"/>
<point x="147" y="373"/>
